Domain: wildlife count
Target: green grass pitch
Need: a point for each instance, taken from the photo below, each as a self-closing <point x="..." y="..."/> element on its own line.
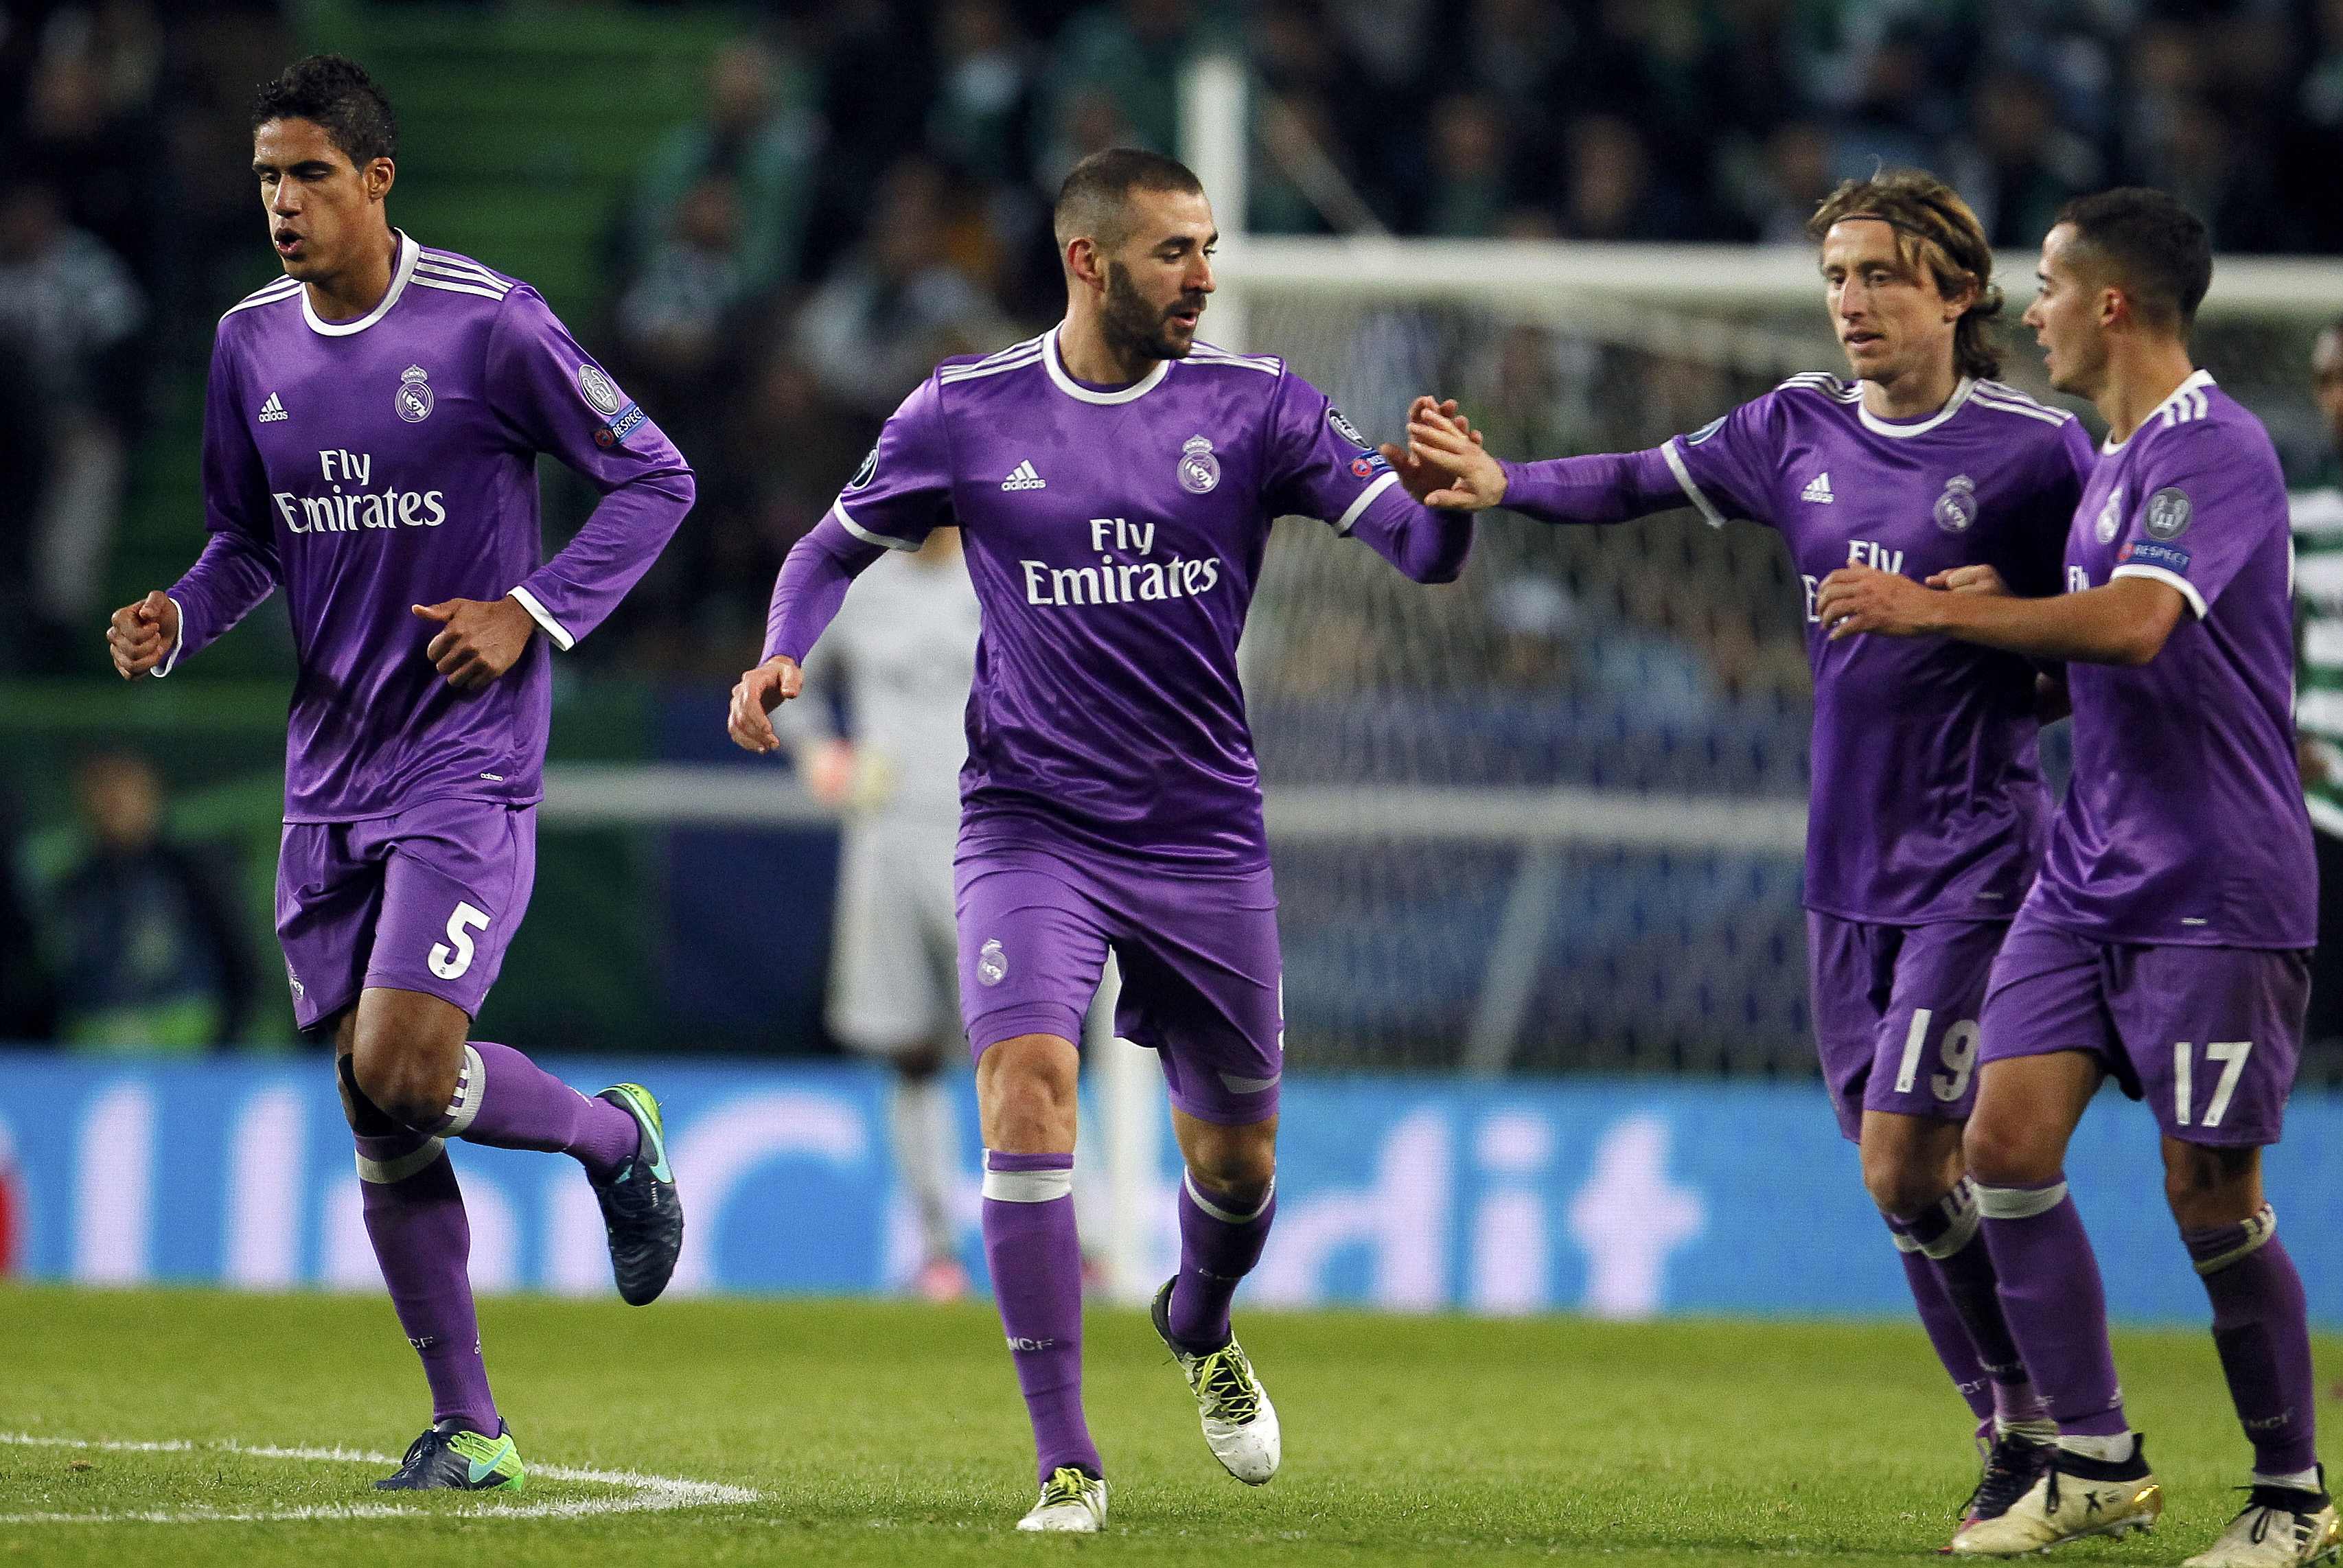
<point x="886" y="1434"/>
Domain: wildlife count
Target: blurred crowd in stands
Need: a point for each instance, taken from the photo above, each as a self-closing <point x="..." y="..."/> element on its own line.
<point x="866" y="184"/>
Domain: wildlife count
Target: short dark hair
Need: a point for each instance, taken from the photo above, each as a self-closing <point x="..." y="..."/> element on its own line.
<point x="1934" y="230"/>
<point x="1092" y="198"/>
<point x="335" y="92"/>
<point x="2160" y="251"/>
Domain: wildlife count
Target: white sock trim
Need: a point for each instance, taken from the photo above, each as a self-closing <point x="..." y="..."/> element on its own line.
<point x="383" y="1172"/>
<point x="1226" y="1216"/>
<point x="1026" y="1186"/>
<point x="2019" y="1202"/>
<point x="2112" y="1449"/>
<point x="2299" y="1481"/>
<point x="2259" y="1229"/>
<point x="471" y="1082"/>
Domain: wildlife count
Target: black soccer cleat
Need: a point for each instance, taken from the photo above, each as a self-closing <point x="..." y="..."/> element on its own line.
<point x="640" y="1209"/>
<point x="450" y="1457"/>
<point x="2013" y="1464"/>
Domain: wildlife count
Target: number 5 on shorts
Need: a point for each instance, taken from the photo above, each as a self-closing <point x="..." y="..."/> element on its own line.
<point x="2231" y="1054"/>
<point x="451" y="957"/>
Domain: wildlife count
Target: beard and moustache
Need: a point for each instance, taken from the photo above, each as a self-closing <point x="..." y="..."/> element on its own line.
<point x="1136" y="329"/>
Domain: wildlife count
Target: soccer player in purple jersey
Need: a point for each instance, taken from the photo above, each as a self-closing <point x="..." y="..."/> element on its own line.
<point x="370" y="441"/>
<point x="1928" y="809"/>
<point x="1114" y="480"/>
<point x="2165" y="939"/>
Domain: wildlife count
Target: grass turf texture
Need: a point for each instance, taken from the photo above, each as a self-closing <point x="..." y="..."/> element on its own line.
<point x="886" y="1434"/>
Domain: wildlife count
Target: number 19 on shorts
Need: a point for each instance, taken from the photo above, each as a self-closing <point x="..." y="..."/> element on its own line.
<point x="2229" y="1055"/>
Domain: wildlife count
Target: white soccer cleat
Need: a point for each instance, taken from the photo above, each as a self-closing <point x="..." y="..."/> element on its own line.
<point x="2076" y="1496"/>
<point x="1073" y="1499"/>
<point x="2279" y="1528"/>
<point x="1240" y="1424"/>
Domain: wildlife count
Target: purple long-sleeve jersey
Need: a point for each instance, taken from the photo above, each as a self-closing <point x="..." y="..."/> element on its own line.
<point x="368" y="466"/>
<point x="1115" y="537"/>
<point x="2185" y="823"/>
<point x="1927" y="799"/>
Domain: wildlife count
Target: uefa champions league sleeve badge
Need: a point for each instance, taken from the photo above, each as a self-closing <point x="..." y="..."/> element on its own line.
<point x="413" y="399"/>
<point x="1199" y="469"/>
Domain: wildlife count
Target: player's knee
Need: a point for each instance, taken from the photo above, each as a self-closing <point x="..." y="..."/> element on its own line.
<point x="411" y="1087"/>
<point x="2210" y="1186"/>
<point x="1903" y="1188"/>
<point x="1238" y="1163"/>
<point x="1026" y="1091"/>
<point x="2006" y="1154"/>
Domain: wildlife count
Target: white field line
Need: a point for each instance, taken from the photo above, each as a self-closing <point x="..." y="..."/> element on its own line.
<point x="645" y="1494"/>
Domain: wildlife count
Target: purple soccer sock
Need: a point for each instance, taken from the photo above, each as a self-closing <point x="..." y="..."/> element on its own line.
<point x="2261" y="1326"/>
<point x="1942" y="1240"/>
<point x="1035" y="1258"/>
<point x="1946" y="1331"/>
<point x="505" y="1100"/>
<point x="2054" y="1305"/>
<point x="415" y="1217"/>
<point x="1220" y="1242"/>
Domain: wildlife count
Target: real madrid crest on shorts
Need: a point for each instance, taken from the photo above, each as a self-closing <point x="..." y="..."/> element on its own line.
<point x="1199" y="469"/>
<point x="991" y="963"/>
<point x="1956" y="508"/>
<point x="413" y="399"/>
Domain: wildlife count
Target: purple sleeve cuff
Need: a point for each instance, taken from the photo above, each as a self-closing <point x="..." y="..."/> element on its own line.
<point x="811" y="586"/>
<point x="1609" y="488"/>
<point x="228" y="580"/>
<point x="576" y="591"/>
<point x="1426" y="545"/>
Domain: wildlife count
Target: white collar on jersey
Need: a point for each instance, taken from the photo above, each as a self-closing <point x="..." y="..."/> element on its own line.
<point x="1074" y="388"/>
<point x="408" y="251"/>
<point x="1879" y="426"/>
<point x="2197" y="381"/>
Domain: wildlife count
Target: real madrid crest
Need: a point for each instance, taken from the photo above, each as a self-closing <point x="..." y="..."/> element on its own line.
<point x="1199" y="469"/>
<point x="2110" y="518"/>
<point x="413" y="400"/>
<point x="1956" y="508"/>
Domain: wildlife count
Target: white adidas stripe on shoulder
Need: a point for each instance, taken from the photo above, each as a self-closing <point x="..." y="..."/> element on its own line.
<point x="1236" y="362"/>
<point x="448" y="258"/>
<point x="1018" y="351"/>
<point x="1220" y="356"/>
<point x="1829" y="386"/>
<point x="283" y="288"/>
<point x="445" y="287"/>
<point x="2003" y="392"/>
<point x="427" y="266"/>
<point x="2025" y="407"/>
<point x="994" y="366"/>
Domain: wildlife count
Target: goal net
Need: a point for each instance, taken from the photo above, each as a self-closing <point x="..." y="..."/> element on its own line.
<point x="1550" y="818"/>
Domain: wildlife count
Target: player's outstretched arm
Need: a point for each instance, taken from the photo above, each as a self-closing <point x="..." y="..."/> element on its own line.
<point x="1458" y="474"/>
<point x="812" y="584"/>
<point x="142" y="635"/>
<point x="2123" y="622"/>
<point x="1610" y="488"/>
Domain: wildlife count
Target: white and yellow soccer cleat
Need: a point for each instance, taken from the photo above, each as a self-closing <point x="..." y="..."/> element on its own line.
<point x="2279" y="1528"/>
<point x="2075" y="1496"/>
<point x="1073" y="1499"/>
<point x="1240" y="1424"/>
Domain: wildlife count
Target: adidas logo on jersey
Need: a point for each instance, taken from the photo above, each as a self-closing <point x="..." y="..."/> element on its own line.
<point x="1818" y="489"/>
<point x="1024" y="477"/>
<point x="273" y="410"/>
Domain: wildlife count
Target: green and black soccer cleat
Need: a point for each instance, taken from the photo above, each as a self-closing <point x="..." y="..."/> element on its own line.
<point x="640" y="1207"/>
<point x="454" y="1458"/>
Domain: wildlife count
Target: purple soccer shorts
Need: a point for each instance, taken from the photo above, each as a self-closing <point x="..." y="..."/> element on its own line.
<point x="426" y="899"/>
<point x="2210" y="1037"/>
<point x="1200" y="971"/>
<point x="1896" y="1013"/>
